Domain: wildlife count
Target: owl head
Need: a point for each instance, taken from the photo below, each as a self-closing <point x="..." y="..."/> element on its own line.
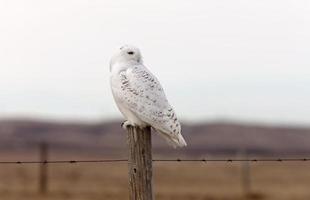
<point x="126" y="53"/>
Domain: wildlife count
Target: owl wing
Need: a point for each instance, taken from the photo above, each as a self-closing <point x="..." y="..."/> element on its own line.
<point x="140" y="91"/>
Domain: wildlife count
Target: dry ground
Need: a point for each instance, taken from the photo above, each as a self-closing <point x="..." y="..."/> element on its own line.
<point x="197" y="181"/>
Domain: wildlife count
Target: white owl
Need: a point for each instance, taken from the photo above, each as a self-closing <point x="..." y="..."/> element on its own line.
<point x="140" y="97"/>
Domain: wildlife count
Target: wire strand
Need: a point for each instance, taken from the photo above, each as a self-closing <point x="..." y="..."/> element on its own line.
<point x="159" y="160"/>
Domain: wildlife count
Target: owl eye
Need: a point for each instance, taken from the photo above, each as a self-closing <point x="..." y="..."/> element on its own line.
<point x="130" y="52"/>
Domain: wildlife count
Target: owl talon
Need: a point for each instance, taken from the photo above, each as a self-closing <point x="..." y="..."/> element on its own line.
<point x="125" y="125"/>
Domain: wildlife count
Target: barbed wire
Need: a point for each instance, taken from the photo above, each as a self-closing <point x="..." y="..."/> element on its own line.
<point x="159" y="160"/>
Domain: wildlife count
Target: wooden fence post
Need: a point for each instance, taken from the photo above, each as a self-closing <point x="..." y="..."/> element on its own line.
<point x="140" y="163"/>
<point x="43" y="168"/>
<point x="246" y="175"/>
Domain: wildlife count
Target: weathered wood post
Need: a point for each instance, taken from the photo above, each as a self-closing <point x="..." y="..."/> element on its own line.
<point x="246" y="175"/>
<point x="140" y="163"/>
<point x="43" y="168"/>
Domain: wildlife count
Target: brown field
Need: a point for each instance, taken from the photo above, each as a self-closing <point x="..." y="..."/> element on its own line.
<point x="197" y="181"/>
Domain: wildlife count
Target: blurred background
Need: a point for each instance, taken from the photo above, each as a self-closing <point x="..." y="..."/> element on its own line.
<point x="236" y="72"/>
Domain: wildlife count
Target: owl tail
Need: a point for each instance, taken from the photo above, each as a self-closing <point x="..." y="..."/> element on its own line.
<point x="177" y="141"/>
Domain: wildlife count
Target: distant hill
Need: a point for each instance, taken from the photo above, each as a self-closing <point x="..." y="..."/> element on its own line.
<point x="109" y="139"/>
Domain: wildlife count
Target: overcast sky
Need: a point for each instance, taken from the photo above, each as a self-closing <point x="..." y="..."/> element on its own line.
<point x="239" y="60"/>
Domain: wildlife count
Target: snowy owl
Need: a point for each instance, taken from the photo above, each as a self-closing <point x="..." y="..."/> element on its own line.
<point x="140" y="97"/>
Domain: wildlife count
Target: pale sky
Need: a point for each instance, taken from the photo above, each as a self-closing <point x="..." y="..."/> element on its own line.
<point x="234" y="60"/>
